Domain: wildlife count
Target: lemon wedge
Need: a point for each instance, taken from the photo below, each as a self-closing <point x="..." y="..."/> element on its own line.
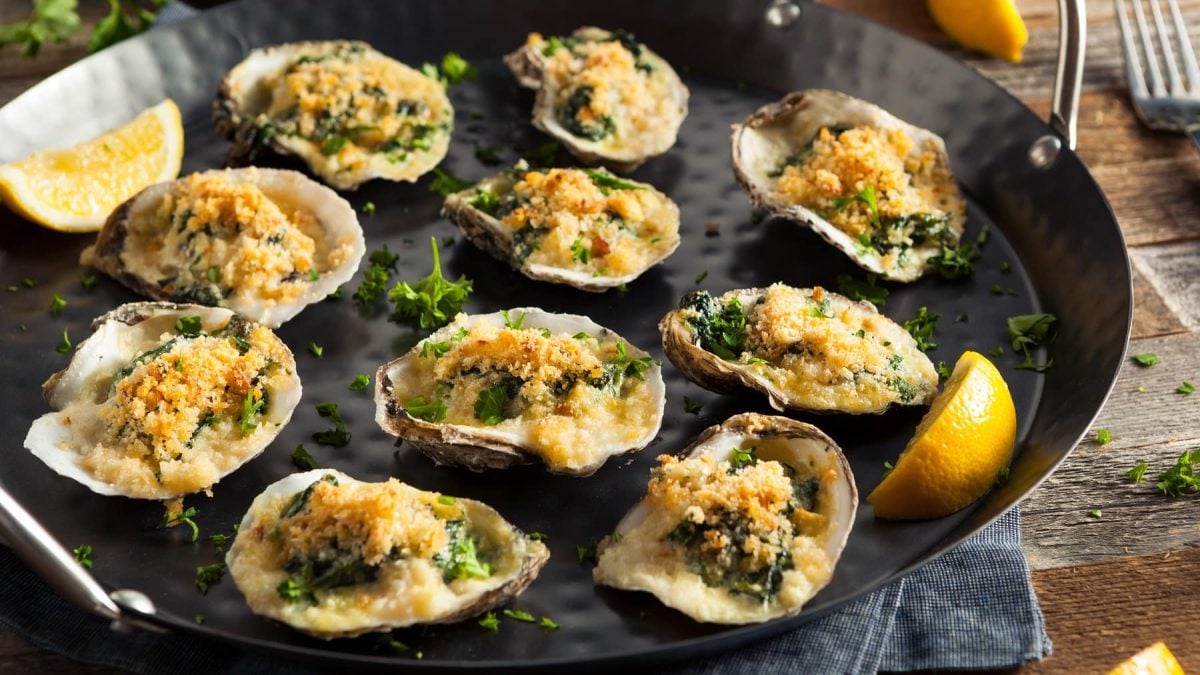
<point x="993" y="27"/>
<point x="959" y="448"/>
<point x="1153" y="660"/>
<point x="74" y="190"/>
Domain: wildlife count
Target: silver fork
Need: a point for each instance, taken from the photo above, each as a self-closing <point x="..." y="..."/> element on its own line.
<point x="1175" y="104"/>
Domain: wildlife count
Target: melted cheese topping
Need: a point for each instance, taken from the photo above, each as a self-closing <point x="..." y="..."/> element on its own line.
<point x="824" y="352"/>
<point x="174" y="421"/>
<point x="906" y="180"/>
<point x="212" y="240"/>
<point x="609" y="232"/>
<point x="570" y="399"/>
<point x="603" y="92"/>
<point x="352" y="103"/>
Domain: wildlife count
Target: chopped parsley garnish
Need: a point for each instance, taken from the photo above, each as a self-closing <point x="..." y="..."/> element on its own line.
<point x="548" y="623"/>
<point x="1005" y="267"/>
<point x="1095" y="513"/>
<point x="582" y="335"/>
<point x="29" y="283"/>
<point x="509" y="322"/>
<point x="456" y="69"/>
<point x="492" y="402"/>
<point x="490" y="622"/>
<point x="586" y="552"/>
<point x="219" y="541"/>
<point x="1181" y="477"/>
<point x="943" y="370"/>
<point x="303" y="460"/>
<point x="996" y="351"/>
<point x="313" y="274"/>
<point x="921" y="328"/>
<point x="209" y="575"/>
<point x="250" y="408"/>
<point x="432" y="301"/>
<point x="720" y="330"/>
<point x="57" y="304"/>
<point x="445" y="184"/>
<point x="887" y="467"/>
<point x="360" y="382"/>
<point x="858" y="289"/>
<point x="538" y="536"/>
<point x="83" y="555"/>
<point x="430" y="410"/>
<point x="1137" y="473"/>
<point x="580" y="253"/>
<point x="520" y="615"/>
<point x="739" y="458"/>
<point x="489" y="155"/>
<point x="375" y="277"/>
<point x="291" y="590"/>
<point x="388" y="643"/>
<point x="997" y="289"/>
<point x="316" y="349"/>
<point x="1028" y="332"/>
<point x="447" y="500"/>
<point x="955" y="262"/>
<point x="184" y="517"/>
<point x="333" y="144"/>
<point x="460" y="559"/>
<point x="607" y="182"/>
<point x="821" y="310"/>
<point x="190" y="326"/>
<point x="701" y="277"/>
<point x="1187" y="389"/>
<point x="368" y="209"/>
<point x="1145" y="360"/>
<point x="692" y="407"/>
<point x="337" y="437"/>
<point x="1103" y="437"/>
<point x="485" y="200"/>
<point x="866" y="197"/>
<point x="633" y="367"/>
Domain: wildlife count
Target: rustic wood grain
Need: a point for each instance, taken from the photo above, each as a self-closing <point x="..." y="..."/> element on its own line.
<point x="1172" y="270"/>
<point x="1151" y="315"/>
<point x="1100" y="614"/>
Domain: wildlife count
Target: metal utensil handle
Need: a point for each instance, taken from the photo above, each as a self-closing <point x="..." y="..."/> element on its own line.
<point x="42" y="552"/>
<point x="1068" y="77"/>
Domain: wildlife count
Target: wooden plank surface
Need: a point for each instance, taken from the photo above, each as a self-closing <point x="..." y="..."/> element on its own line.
<point x="1101" y="602"/>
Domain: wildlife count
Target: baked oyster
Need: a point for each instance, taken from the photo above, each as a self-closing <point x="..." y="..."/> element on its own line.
<point x="605" y="96"/>
<point x="347" y="111"/>
<point x="164" y="400"/>
<point x="492" y="390"/>
<point x="747" y="526"/>
<point x="805" y="348"/>
<point x="874" y="186"/>
<point x="582" y="227"/>
<point x="265" y="243"/>
<point x="335" y="557"/>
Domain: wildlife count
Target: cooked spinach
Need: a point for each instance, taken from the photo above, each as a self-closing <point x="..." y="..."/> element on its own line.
<point x="720" y="330"/>
<point x="593" y="130"/>
<point x="462" y="557"/>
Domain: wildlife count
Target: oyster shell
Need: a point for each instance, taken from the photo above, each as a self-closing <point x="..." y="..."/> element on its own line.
<point x="164" y="400"/>
<point x="201" y="238"/>
<point x="601" y="127"/>
<point x="818" y="156"/>
<point x="400" y="135"/>
<point x="492" y="390"/>
<point x="784" y="485"/>
<point x="806" y="349"/>
<point x="349" y="557"/>
<point x="582" y="227"/>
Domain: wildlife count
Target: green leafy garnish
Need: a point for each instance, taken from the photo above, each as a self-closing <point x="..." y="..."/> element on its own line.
<point x="701" y="277"/>
<point x="316" y="350"/>
<point x="291" y="590"/>
<point x="460" y="558"/>
<point x="368" y="209"/>
<point x="692" y="407"/>
<point x="333" y="144"/>
<point x="1095" y="513"/>
<point x="456" y="69"/>
<point x="607" y="182"/>
<point x="1103" y="437"/>
<point x="635" y="368"/>
<point x="548" y="623"/>
<point x="586" y="552"/>
<point x="361" y="382"/>
<point x="388" y="643"/>
<point x="29" y="283"/>
<point x="538" y="536"/>
<point x="57" y="304"/>
<point x="955" y="262"/>
<point x="83" y="555"/>
<point x="858" y="289"/>
<point x="866" y="196"/>
<point x="1145" y="360"/>
<point x="520" y="615"/>
<point x="1137" y="473"/>
<point x="921" y="328"/>
<point x="51" y="21"/>
<point x="430" y="302"/>
<point x="445" y="184"/>
<point x="430" y="410"/>
<point x="209" y="575"/>
<point x="720" y="330"/>
<point x="183" y="517"/>
<point x="219" y="541"/>
<point x="125" y="19"/>
<point x="1187" y="389"/>
<point x="821" y="310"/>
<point x="338" y="436"/>
<point x="88" y="280"/>
<point x="1028" y="332"/>
<point x="190" y="326"/>
<point x="303" y="460"/>
<point x="490" y="622"/>
<point x="375" y="277"/>
<point x="741" y="458"/>
<point x="1181" y="477"/>
<point x="580" y="253"/>
<point x="943" y="370"/>
<point x="491" y="404"/>
<point x="250" y="408"/>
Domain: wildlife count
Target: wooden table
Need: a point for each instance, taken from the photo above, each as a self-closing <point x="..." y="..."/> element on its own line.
<point x="1108" y="586"/>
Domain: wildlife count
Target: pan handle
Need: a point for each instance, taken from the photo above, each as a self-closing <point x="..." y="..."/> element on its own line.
<point x="42" y="552"/>
<point x="1068" y="78"/>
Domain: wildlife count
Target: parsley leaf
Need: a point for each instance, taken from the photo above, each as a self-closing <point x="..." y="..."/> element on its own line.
<point x="608" y="182"/>
<point x="1028" y="332"/>
<point x="1095" y="513"/>
<point x="316" y="350"/>
<point x="943" y="370"/>
<point x="88" y="281"/>
<point x="83" y="555"/>
<point x="184" y="517"/>
<point x="740" y="458"/>
<point x="368" y="209"/>
<point x="456" y="69"/>
<point x="580" y="253"/>
<point x="858" y="289"/>
<point x="64" y="347"/>
<point x="250" y="408"/>
<point x="692" y="407"/>
<point x="430" y="302"/>
<point x="209" y="575"/>
<point x="219" y="541"/>
<point x="510" y="323"/>
<point x="548" y="623"/>
<point x="190" y="326"/>
<point x="1187" y="389"/>
<point x="921" y="328"/>
<point x="303" y="460"/>
<point x="337" y="437"/>
<point x="361" y="382"/>
<point x="333" y="144"/>
<point x="491" y="404"/>
<point x="866" y="197"/>
<point x="1103" y="437"/>
<point x="57" y="304"/>
<point x="955" y="263"/>
<point x="460" y="558"/>
<point x="52" y="20"/>
<point x="430" y="410"/>
<point x="1181" y="477"/>
<point x="1137" y="473"/>
<point x="520" y="615"/>
<point x="1145" y="360"/>
<point x="586" y="552"/>
<point x="375" y="277"/>
<point x="125" y="19"/>
<point x="445" y="184"/>
<point x="490" y="622"/>
<point x="701" y="277"/>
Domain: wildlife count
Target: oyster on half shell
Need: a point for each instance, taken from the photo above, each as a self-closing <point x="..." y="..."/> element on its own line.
<point x="804" y="348"/>
<point x="335" y="557"/>
<point x="582" y="227"/>
<point x="745" y="527"/>
<point x="492" y="390"/>
<point x="265" y="243"/>
<point x="877" y="188"/>
<point x="344" y="109"/>
<point x="605" y="96"/>
<point x="164" y="400"/>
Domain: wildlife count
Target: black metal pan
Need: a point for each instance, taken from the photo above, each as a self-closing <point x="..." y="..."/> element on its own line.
<point x="1049" y="222"/>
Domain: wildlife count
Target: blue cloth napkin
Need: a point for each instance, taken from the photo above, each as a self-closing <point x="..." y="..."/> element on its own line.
<point x="974" y="607"/>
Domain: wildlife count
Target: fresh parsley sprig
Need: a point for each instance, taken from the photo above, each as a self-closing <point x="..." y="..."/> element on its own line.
<point x="1028" y="332"/>
<point x="430" y="302"/>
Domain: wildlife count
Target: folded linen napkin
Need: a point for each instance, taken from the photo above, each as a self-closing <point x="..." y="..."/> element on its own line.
<point x="974" y="607"/>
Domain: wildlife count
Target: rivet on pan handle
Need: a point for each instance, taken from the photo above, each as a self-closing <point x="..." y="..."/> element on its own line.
<point x="42" y="552"/>
<point x="1068" y="78"/>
